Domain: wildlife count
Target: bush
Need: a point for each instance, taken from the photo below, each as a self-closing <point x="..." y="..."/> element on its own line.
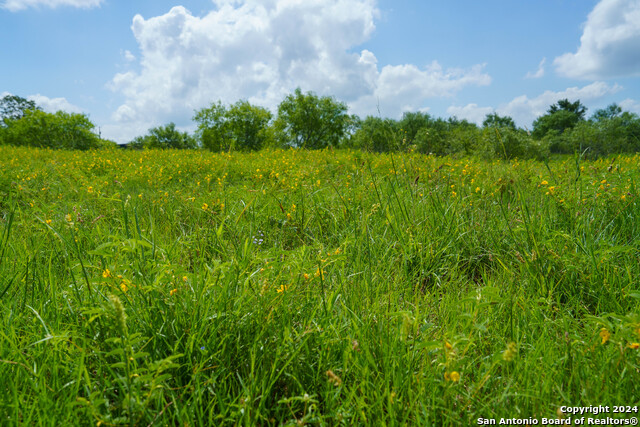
<point x="46" y="130"/>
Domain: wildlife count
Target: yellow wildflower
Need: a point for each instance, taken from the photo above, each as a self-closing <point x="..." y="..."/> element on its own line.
<point x="605" y="335"/>
<point x="453" y="376"/>
<point x="282" y="288"/>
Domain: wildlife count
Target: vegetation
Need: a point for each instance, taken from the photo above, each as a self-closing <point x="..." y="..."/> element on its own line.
<point x="25" y="124"/>
<point x="165" y="137"/>
<point x="307" y="121"/>
<point x="327" y="287"/>
<point x="241" y="127"/>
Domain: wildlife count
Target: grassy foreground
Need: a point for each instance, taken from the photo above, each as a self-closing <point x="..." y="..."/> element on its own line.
<point x="322" y="288"/>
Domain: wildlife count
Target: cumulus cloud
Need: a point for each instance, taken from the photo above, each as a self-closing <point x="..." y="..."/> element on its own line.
<point x="539" y="72"/>
<point x="51" y="105"/>
<point x="470" y="112"/>
<point x="525" y="110"/>
<point x="261" y="51"/>
<point x="16" y="5"/>
<point x="630" y="105"/>
<point x="610" y="43"/>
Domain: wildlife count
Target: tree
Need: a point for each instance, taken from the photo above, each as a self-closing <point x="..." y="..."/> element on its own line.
<point x="573" y="107"/>
<point x="242" y="126"/>
<point x="608" y="113"/>
<point x="561" y="116"/>
<point x="411" y="123"/>
<point x="308" y="121"/>
<point x="60" y="130"/>
<point x="165" y="137"/>
<point x="13" y="107"/>
<point x="375" y="134"/>
<point x="493" y="120"/>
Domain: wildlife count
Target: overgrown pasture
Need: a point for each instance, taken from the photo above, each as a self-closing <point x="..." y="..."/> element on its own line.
<point x="326" y="287"/>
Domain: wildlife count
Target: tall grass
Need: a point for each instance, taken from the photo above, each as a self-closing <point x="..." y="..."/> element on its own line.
<point x="330" y="287"/>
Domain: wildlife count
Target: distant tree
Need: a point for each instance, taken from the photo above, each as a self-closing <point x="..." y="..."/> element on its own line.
<point x="165" y="137"/>
<point x="242" y="126"/>
<point x="561" y="116"/>
<point x="613" y="110"/>
<point x="13" y="107"/>
<point x="411" y="123"/>
<point x="375" y="134"/>
<point x="309" y="121"/>
<point x="60" y="130"/>
<point x="573" y="107"/>
<point x="494" y="120"/>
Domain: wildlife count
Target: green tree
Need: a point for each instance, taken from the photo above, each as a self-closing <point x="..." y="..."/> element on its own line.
<point x="60" y="130"/>
<point x="242" y="126"/>
<point x="608" y="113"/>
<point x="560" y="116"/>
<point x="309" y="121"/>
<point x="411" y="123"/>
<point x="375" y="134"/>
<point x="13" y="107"/>
<point x="494" y="120"/>
<point x="165" y="137"/>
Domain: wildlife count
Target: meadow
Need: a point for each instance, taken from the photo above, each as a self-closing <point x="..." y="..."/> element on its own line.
<point x="329" y="287"/>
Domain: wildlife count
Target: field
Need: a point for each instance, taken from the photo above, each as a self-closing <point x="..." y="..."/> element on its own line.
<point x="314" y="287"/>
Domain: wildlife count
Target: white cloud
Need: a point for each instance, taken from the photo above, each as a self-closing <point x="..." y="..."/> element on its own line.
<point x="630" y="105"/>
<point x="262" y="51"/>
<point x="610" y="43"/>
<point x="524" y="110"/>
<point x="539" y="72"/>
<point x="16" y="5"/>
<point x="128" y="56"/>
<point x="470" y="112"/>
<point x="51" y="105"/>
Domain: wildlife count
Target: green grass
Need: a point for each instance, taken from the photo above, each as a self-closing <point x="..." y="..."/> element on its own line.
<point x="321" y="288"/>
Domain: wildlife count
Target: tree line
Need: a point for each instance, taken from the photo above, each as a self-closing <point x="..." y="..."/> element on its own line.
<point x="308" y="121"/>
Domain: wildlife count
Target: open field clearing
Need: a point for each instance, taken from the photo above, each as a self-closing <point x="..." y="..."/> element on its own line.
<point x="314" y="287"/>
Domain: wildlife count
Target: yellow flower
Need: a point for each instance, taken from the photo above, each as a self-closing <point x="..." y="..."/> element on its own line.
<point x="453" y="376"/>
<point x="124" y="287"/>
<point x="205" y="206"/>
<point x="605" y="335"/>
<point x="185" y="278"/>
<point x="477" y="189"/>
<point x="282" y="288"/>
<point x="306" y="276"/>
<point x="634" y="345"/>
<point x="544" y="182"/>
<point x="68" y="217"/>
<point x="106" y="273"/>
<point x="48" y="221"/>
<point x="172" y="292"/>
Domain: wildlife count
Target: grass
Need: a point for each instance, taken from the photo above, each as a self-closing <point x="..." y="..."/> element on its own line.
<point x="320" y="288"/>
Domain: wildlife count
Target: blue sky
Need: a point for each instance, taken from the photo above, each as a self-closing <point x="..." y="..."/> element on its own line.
<point x="134" y="65"/>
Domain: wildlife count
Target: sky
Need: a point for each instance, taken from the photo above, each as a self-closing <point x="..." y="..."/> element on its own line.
<point x="134" y="65"/>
